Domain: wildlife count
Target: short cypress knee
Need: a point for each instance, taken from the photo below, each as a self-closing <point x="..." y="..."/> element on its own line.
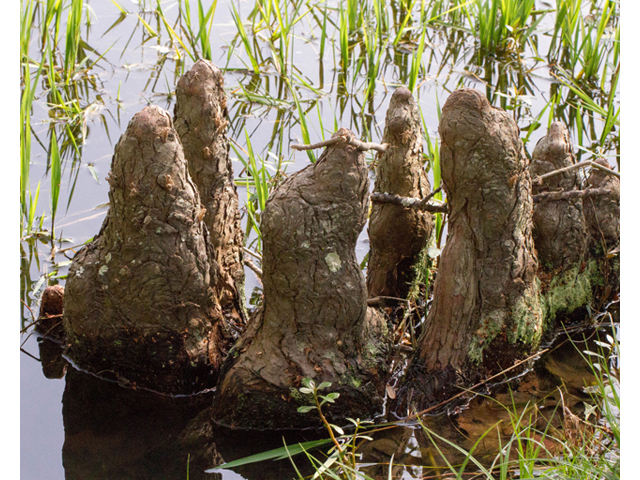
<point x="138" y="303"/>
<point x="559" y="232"/>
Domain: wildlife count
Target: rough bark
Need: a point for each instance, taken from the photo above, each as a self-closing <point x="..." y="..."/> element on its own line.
<point x="314" y="322"/>
<point x="200" y="119"/>
<point x="603" y="212"/>
<point x="485" y="311"/>
<point x="559" y="232"/>
<point x="138" y="305"/>
<point x="51" y="308"/>
<point x="398" y="234"/>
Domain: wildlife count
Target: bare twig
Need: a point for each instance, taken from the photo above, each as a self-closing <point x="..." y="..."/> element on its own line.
<point x="408" y="202"/>
<point x="252" y="253"/>
<point x="364" y="146"/>
<point x="479" y="384"/>
<point x="587" y="163"/>
<point x="571" y="194"/>
<point x="253" y="267"/>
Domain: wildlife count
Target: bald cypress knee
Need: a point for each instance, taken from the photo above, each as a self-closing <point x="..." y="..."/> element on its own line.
<point x="559" y="232"/>
<point x="314" y="322"/>
<point x="200" y="118"/>
<point x="573" y="271"/>
<point x="398" y="234"/>
<point x="485" y="311"/>
<point x="139" y="304"/>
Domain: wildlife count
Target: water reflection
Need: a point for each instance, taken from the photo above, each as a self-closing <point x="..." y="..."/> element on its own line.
<point x="116" y="432"/>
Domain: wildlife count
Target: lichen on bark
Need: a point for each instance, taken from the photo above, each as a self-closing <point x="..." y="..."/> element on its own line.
<point x="397" y="234"/>
<point x="138" y="304"/>
<point x="314" y="322"/>
<point x="485" y="311"/>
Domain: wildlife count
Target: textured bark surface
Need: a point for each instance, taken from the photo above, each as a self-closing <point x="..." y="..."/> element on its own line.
<point x="138" y="303"/>
<point x="559" y="232"/>
<point x="200" y="118"/>
<point x="398" y="234"/>
<point x="51" y="308"/>
<point x="485" y="310"/>
<point x="314" y="322"/>
<point x="603" y="212"/>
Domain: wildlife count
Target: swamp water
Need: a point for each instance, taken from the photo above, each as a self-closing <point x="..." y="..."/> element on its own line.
<point x="335" y="66"/>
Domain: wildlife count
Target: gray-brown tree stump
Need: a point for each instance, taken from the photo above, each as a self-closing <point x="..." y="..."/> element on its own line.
<point x="559" y="233"/>
<point x="201" y="122"/>
<point x="139" y="302"/>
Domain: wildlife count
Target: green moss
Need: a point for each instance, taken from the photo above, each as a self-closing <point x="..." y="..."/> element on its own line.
<point x="570" y="290"/>
<point x="300" y="398"/>
<point x="490" y="326"/>
<point x="523" y="325"/>
<point x="528" y="318"/>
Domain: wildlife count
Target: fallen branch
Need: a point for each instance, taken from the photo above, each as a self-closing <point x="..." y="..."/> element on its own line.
<point x="587" y="163"/>
<point x="364" y="146"/>
<point x="416" y="203"/>
<point x="571" y="194"/>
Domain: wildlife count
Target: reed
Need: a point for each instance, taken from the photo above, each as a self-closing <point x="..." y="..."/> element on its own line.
<point x="200" y="40"/>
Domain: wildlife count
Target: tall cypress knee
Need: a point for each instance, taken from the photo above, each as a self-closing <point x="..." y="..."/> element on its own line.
<point x="314" y="322"/>
<point x="200" y="118"/>
<point x="485" y="311"/>
<point x="398" y="234"/>
<point x="138" y="303"/>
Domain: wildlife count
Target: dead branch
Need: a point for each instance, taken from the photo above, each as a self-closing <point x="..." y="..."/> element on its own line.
<point x="416" y="203"/>
<point x="253" y="267"/>
<point x="364" y="146"/>
<point x="587" y="163"/>
<point x="571" y="194"/>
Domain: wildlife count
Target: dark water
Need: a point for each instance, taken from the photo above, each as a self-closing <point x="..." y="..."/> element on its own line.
<point x="79" y="427"/>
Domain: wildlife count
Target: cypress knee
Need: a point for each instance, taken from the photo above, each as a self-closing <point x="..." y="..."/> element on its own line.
<point x="559" y="232"/>
<point x="603" y="211"/>
<point x="485" y="311"/>
<point x="138" y="303"/>
<point x="397" y="234"/>
<point x="200" y="118"/>
<point x="314" y="322"/>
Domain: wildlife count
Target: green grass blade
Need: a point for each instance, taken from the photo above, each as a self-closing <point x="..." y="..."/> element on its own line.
<point x="275" y="454"/>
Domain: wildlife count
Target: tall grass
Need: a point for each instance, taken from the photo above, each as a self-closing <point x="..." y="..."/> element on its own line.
<point x="503" y="25"/>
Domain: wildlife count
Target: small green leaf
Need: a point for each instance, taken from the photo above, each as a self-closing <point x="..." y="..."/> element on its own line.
<point x="306" y="408"/>
<point x="337" y="429"/>
<point x="305" y="390"/>
<point x="324" y="385"/>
